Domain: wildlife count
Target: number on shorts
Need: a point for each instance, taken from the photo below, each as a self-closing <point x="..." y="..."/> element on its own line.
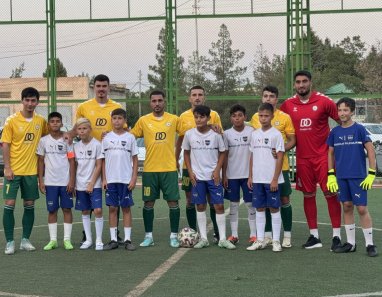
<point x="186" y="181"/>
<point x="7" y="188"/>
<point x="146" y="191"/>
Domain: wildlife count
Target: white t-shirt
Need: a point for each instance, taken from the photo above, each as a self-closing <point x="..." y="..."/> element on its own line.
<point x="264" y="164"/>
<point x="55" y="152"/>
<point x="118" y="150"/>
<point x="237" y="143"/>
<point x="205" y="150"/>
<point x="86" y="157"/>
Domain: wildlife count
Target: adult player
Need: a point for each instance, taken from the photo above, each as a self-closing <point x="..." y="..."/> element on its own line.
<point x="310" y="112"/>
<point x="159" y="129"/>
<point x="196" y="97"/>
<point x="21" y="134"/>
<point x="98" y="110"/>
<point x="282" y="122"/>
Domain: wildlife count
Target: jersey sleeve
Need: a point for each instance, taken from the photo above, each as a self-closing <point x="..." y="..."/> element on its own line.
<point x="134" y="147"/>
<point x="79" y="113"/>
<point x="103" y="148"/>
<point x="279" y="143"/>
<point x="178" y="125"/>
<point x="99" y="154"/>
<point x="330" y="140"/>
<point x="217" y="120"/>
<point x="222" y="147"/>
<point x="289" y="128"/>
<point x="186" y="142"/>
<point x="225" y="139"/>
<point x="182" y="129"/>
<point x="41" y="147"/>
<point x="137" y="130"/>
<point x="255" y="121"/>
<point x="332" y="110"/>
<point x="7" y="134"/>
<point x="45" y="128"/>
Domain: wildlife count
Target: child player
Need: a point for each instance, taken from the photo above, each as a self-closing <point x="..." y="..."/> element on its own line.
<point x="56" y="160"/>
<point x="204" y="157"/>
<point x="120" y="169"/>
<point x="88" y="182"/>
<point x="347" y="143"/>
<point x="235" y="171"/>
<point x="265" y="176"/>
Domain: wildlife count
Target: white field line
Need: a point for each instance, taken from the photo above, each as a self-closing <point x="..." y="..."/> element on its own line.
<point x="18" y="295"/>
<point x="359" y="294"/>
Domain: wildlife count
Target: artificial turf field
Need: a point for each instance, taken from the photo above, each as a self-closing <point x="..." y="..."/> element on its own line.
<point x="164" y="271"/>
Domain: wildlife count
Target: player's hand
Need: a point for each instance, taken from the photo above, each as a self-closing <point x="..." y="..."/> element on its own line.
<point x="368" y="181"/>
<point x="70" y="187"/>
<point x="193" y="179"/>
<point x="274" y="185"/>
<point x="8" y="174"/>
<point x="41" y="187"/>
<point x="68" y="138"/>
<point x="104" y="184"/>
<point x="216" y="177"/>
<point x="216" y="128"/>
<point x="104" y="134"/>
<point x="132" y="183"/>
<point x="249" y="183"/>
<point x="274" y="153"/>
<point x="225" y="183"/>
<point x="89" y="188"/>
<point x="332" y="182"/>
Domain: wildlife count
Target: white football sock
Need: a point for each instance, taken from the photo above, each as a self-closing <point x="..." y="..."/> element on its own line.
<point x="202" y="224"/>
<point x="234" y="217"/>
<point x="53" y="231"/>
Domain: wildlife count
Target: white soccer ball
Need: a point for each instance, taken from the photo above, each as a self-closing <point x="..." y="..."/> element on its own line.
<point x="188" y="237"/>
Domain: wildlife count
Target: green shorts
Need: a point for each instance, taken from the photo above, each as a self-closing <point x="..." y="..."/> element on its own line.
<point x="186" y="183"/>
<point x="27" y="183"/>
<point x="285" y="188"/>
<point x="154" y="182"/>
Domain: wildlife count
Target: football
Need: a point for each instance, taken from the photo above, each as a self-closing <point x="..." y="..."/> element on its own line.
<point x="188" y="237"/>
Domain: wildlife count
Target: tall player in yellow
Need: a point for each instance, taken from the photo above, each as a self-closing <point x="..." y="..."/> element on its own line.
<point x="98" y="110"/>
<point x="196" y="97"/>
<point x="21" y="134"/>
<point x="159" y="130"/>
<point x="282" y="122"/>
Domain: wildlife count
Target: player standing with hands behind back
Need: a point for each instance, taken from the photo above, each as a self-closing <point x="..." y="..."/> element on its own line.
<point x="347" y="144"/>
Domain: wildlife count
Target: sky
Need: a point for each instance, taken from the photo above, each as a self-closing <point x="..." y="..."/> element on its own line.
<point x="122" y="49"/>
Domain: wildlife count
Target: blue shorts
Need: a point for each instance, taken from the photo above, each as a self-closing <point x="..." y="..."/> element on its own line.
<point x="350" y="190"/>
<point x="204" y="187"/>
<point x="263" y="197"/>
<point x="118" y="194"/>
<point x="88" y="201"/>
<point x="232" y="193"/>
<point x="56" y="197"/>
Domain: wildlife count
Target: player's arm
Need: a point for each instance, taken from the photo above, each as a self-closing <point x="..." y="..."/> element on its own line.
<point x="224" y="170"/>
<point x="178" y="150"/>
<point x="250" y="177"/>
<point x="135" y="173"/>
<point x="368" y="181"/>
<point x="187" y="160"/>
<point x="72" y="175"/>
<point x="96" y="173"/>
<point x="279" y="164"/>
<point x="291" y="142"/>
<point x="8" y="172"/>
<point x="40" y="173"/>
<point x="219" y="165"/>
<point x="104" y="181"/>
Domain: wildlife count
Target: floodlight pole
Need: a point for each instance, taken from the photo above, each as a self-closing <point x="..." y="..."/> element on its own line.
<point x="51" y="55"/>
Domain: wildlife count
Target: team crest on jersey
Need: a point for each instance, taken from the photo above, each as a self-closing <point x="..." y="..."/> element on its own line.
<point x="89" y="152"/>
<point x="245" y="138"/>
<point x="314" y="107"/>
<point x="207" y="142"/>
<point x="123" y="143"/>
<point x="277" y="123"/>
<point x="168" y="124"/>
<point x="350" y="137"/>
<point x="37" y="127"/>
<point x="60" y="147"/>
<point x="266" y="140"/>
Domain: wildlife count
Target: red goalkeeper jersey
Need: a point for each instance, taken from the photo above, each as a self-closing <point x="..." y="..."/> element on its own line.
<point x="311" y="122"/>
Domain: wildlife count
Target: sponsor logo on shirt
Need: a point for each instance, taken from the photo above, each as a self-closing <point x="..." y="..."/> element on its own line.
<point x="305" y="123"/>
<point x="101" y="122"/>
<point x="160" y="136"/>
<point x="29" y="137"/>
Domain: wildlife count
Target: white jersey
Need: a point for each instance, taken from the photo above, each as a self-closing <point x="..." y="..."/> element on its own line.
<point x="86" y="157"/>
<point x="264" y="164"/>
<point x="237" y="143"/>
<point x="118" y="150"/>
<point x="205" y="150"/>
<point x="55" y="152"/>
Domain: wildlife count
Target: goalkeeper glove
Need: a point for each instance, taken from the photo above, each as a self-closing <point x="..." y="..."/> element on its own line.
<point x="368" y="181"/>
<point x="332" y="181"/>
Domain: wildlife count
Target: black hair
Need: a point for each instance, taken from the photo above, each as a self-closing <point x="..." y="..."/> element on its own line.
<point x="102" y="77"/>
<point x="157" y="92"/>
<point x="30" y="92"/>
<point x="54" y="114"/>
<point x="202" y="110"/>
<point x="272" y="89"/>
<point x="266" y="106"/>
<point x="119" y="112"/>
<point x="303" y="73"/>
<point x="236" y="108"/>
<point x="349" y="102"/>
<point x="197" y="87"/>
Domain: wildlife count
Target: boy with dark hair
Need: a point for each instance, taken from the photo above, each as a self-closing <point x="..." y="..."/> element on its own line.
<point x="21" y="134"/>
<point x="265" y="176"/>
<point x="204" y="157"/>
<point x="349" y="177"/>
<point x="56" y="175"/>
<point x="120" y="170"/>
<point x="236" y="172"/>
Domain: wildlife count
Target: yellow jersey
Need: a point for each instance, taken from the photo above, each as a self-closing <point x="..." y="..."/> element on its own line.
<point x="23" y="137"/>
<point x="188" y="122"/>
<point x="159" y="136"/>
<point x="282" y="122"/>
<point x="99" y="115"/>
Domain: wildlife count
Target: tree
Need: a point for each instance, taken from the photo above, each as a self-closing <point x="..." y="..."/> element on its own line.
<point x="223" y="65"/>
<point x="60" y="70"/>
<point x="370" y="68"/>
<point x="18" y="71"/>
<point x="194" y="74"/>
<point x="157" y="77"/>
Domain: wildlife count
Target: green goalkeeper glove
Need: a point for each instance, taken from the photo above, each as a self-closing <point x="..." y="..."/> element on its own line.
<point x="332" y="181"/>
<point x="368" y="181"/>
